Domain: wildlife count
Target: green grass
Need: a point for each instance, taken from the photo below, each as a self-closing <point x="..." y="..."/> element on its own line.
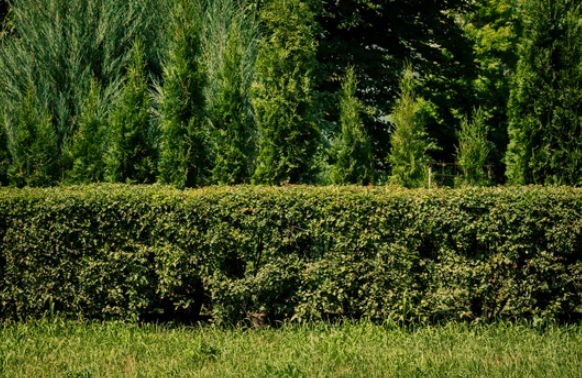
<point x="84" y="349"/>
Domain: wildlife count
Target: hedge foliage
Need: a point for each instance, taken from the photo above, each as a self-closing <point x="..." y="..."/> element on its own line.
<point x="291" y="253"/>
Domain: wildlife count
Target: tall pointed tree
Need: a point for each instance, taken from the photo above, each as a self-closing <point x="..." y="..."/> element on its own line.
<point x="184" y="156"/>
<point x="353" y="154"/>
<point x="545" y="109"/>
<point x="35" y="160"/>
<point x="232" y="127"/>
<point x="131" y="156"/>
<point x="409" y="140"/>
<point x="86" y="152"/>
<point x="289" y="133"/>
<point x="473" y="150"/>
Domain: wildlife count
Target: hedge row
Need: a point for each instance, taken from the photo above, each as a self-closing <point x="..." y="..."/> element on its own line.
<point x="291" y="253"/>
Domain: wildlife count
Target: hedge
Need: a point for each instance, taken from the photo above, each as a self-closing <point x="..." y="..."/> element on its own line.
<point x="295" y="253"/>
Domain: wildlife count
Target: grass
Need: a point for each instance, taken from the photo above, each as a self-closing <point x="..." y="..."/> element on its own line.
<point x="57" y="348"/>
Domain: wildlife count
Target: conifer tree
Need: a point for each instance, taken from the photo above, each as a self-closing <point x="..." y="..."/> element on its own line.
<point x="473" y="150"/>
<point x="545" y="109"/>
<point x="130" y="156"/>
<point x="4" y="153"/>
<point x="185" y="158"/>
<point x="409" y="141"/>
<point x="35" y="157"/>
<point x="353" y="153"/>
<point x="232" y="133"/>
<point x="87" y="143"/>
<point x="283" y="94"/>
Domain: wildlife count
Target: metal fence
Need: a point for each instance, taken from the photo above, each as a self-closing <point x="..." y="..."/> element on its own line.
<point x="444" y="174"/>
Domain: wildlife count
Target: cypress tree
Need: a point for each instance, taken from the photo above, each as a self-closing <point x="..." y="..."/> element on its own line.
<point x="353" y="153"/>
<point x="283" y="95"/>
<point x="130" y="156"/>
<point x="86" y="146"/>
<point x="409" y="141"/>
<point x="473" y="150"/>
<point x="232" y="133"/>
<point x="35" y="158"/>
<point x="545" y="109"/>
<point x="185" y="159"/>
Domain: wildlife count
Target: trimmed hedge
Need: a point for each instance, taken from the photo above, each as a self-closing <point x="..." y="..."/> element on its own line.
<point x="291" y="253"/>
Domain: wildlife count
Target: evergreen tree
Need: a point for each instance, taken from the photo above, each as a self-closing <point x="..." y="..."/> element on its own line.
<point x="353" y="155"/>
<point x="185" y="159"/>
<point x="495" y="28"/>
<point x="409" y="141"/>
<point x="86" y="148"/>
<point x="130" y="157"/>
<point x="473" y="151"/>
<point x="283" y="94"/>
<point x="232" y="133"/>
<point x="61" y="44"/>
<point x="34" y="150"/>
<point x="4" y="153"/>
<point x="545" y="109"/>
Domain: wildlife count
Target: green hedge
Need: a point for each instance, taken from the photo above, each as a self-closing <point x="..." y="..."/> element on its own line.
<point x="291" y="253"/>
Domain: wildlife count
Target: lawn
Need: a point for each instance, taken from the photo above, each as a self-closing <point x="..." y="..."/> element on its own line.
<point x="56" y="348"/>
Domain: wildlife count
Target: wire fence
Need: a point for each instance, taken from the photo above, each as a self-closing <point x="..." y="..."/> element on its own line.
<point x="441" y="174"/>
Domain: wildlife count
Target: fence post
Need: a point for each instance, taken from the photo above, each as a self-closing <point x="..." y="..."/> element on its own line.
<point x="429" y="174"/>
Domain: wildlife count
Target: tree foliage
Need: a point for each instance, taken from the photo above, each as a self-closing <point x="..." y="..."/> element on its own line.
<point x="473" y="150"/>
<point x="495" y="28"/>
<point x="131" y="156"/>
<point x="184" y="156"/>
<point x="545" y="107"/>
<point x="232" y="126"/>
<point x="409" y="139"/>
<point x="34" y="148"/>
<point x="61" y="44"/>
<point x="284" y="96"/>
<point x="354" y="162"/>
<point x="87" y="144"/>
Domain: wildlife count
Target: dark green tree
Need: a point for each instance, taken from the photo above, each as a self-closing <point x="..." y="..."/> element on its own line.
<point x="185" y="156"/>
<point x="131" y="156"/>
<point x="283" y="94"/>
<point x="409" y="140"/>
<point x="34" y="149"/>
<point x="86" y="151"/>
<point x="232" y="127"/>
<point x="545" y="108"/>
<point x="354" y="162"/>
<point x="377" y="37"/>
<point x="473" y="151"/>
<point x="495" y="27"/>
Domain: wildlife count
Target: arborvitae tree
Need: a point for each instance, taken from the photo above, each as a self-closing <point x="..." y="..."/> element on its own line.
<point x="283" y="94"/>
<point x="130" y="156"/>
<point x="473" y="151"/>
<point x="185" y="157"/>
<point x="86" y="151"/>
<point x="232" y="134"/>
<point x="34" y="149"/>
<point x="545" y="109"/>
<point x="4" y="153"/>
<point x="352" y="150"/>
<point x="409" y="141"/>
